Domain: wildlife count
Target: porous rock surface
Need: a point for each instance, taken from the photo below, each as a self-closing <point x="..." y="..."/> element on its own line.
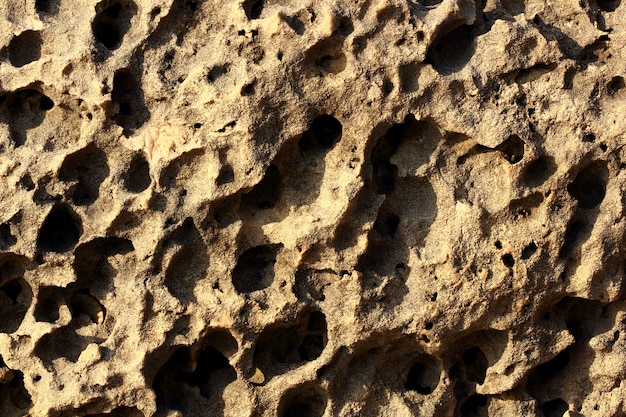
<point x="312" y="208"/>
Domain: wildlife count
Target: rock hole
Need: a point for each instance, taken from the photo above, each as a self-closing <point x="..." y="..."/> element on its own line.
<point x="542" y="374"/>
<point x="6" y="238"/>
<point x="554" y="408"/>
<point x="27" y="182"/>
<point x="313" y="342"/>
<point x="508" y="260"/>
<point x="266" y="193"/>
<point x="189" y="263"/>
<point x="82" y="302"/>
<point x="112" y="21"/>
<point x="47" y="6"/>
<point x="25" y="48"/>
<point x="60" y="230"/>
<point x="91" y="263"/>
<point x="474" y="406"/>
<point x="307" y="400"/>
<point x="538" y="171"/>
<point x="25" y="109"/>
<point x="327" y="55"/>
<point x="255" y="268"/>
<point x="572" y="238"/>
<point x="616" y="84"/>
<point x="128" y="95"/>
<point x="476" y="364"/>
<point x="498" y="244"/>
<point x="589" y="138"/>
<point x="423" y="376"/>
<point x="387" y="225"/>
<point x="203" y="366"/>
<point x="16" y="296"/>
<point x="248" y="89"/>
<point x="589" y="186"/>
<point x="512" y="149"/>
<point x="137" y="177"/>
<point x="451" y="50"/>
<point x="15" y="398"/>
<point x="253" y="9"/>
<point x="47" y="306"/>
<point x="529" y="250"/>
<point x="408" y="74"/>
<point x="89" y="168"/>
<point x="325" y="132"/>
<point x="609" y="5"/>
<point x="225" y="176"/>
<point x="279" y="349"/>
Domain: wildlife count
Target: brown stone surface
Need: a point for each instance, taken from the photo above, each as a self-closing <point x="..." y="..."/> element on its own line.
<point x="312" y="208"/>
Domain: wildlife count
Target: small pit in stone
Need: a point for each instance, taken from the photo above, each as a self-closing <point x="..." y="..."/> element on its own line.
<point x="325" y="132"/>
<point x="266" y="193"/>
<point x="255" y="268"/>
<point x="308" y="400"/>
<point x="137" y="177"/>
<point x="112" y="21"/>
<point x="88" y="167"/>
<point x="279" y="349"/>
<point x="25" y="48"/>
<point x="423" y="376"/>
<point x="589" y="185"/>
<point x="60" y="230"/>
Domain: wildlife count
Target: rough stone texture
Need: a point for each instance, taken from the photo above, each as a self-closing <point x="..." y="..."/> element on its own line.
<point x="312" y="208"/>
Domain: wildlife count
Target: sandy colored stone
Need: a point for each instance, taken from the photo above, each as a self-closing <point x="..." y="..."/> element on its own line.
<point x="312" y="208"/>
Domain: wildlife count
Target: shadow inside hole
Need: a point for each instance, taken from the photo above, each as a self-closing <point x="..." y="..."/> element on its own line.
<point x="253" y="8"/>
<point x="423" y="376"/>
<point x="137" y="177"/>
<point x="452" y="50"/>
<point x="266" y="193"/>
<point x="512" y="149"/>
<point x="543" y="374"/>
<point x="128" y="95"/>
<point x="326" y="57"/>
<point x="60" y="230"/>
<point x="6" y="238"/>
<point x="609" y="5"/>
<point x="112" y="21"/>
<point x="89" y="168"/>
<point x="202" y="367"/>
<point x="16" y="296"/>
<point x="15" y="400"/>
<point x="538" y="171"/>
<point x="308" y="400"/>
<point x="303" y="160"/>
<point x="25" y="48"/>
<point x="24" y="110"/>
<point x="280" y="349"/>
<point x="48" y="302"/>
<point x="47" y="6"/>
<point x="91" y="264"/>
<point x="475" y="406"/>
<point x="325" y="132"/>
<point x="255" y="268"/>
<point x="188" y="264"/>
<point x="554" y="408"/>
<point x="589" y="185"/>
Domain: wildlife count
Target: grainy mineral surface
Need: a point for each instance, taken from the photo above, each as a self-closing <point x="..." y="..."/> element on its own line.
<point x="312" y="208"/>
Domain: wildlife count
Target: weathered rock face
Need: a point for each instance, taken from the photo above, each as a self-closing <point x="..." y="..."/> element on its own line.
<point x="312" y="208"/>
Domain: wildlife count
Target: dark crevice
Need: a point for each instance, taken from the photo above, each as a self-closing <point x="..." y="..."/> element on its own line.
<point x="60" y="230"/>
<point x="25" y="48"/>
<point x="255" y="268"/>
